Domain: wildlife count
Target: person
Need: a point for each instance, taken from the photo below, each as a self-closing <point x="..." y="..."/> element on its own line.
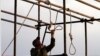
<point x="40" y="49"/>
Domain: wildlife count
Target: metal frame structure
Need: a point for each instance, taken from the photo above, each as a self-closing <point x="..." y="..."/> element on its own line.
<point x="15" y="26"/>
<point x="60" y="7"/>
<point x="54" y="10"/>
<point x="64" y="25"/>
<point x="67" y="9"/>
<point x="45" y="24"/>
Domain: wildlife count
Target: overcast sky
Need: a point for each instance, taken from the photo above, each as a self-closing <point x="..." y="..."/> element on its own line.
<point x="27" y="35"/>
<point x="0" y="39"/>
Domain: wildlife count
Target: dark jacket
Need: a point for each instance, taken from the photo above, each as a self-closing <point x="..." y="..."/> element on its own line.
<point x="43" y="51"/>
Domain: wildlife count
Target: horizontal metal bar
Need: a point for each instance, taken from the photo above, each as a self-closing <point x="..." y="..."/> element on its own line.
<point x="22" y="16"/>
<point x="54" y="10"/>
<point x="88" y="4"/>
<point x="18" y="23"/>
<point x="81" y="21"/>
<point x="67" y="9"/>
<point x="61" y="23"/>
<point x="97" y="0"/>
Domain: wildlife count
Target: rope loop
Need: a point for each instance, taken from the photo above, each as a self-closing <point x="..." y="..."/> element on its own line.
<point x="71" y="38"/>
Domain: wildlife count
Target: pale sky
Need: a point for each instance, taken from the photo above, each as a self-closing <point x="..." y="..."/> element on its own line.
<point x="27" y="35"/>
<point x="0" y="38"/>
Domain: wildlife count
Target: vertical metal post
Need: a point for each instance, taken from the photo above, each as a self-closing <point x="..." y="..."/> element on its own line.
<point x="64" y="20"/>
<point x="85" y="38"/>
<point x="44" y="34"/>
<point x="39" y="18"/>
<point x="15" y="20"/>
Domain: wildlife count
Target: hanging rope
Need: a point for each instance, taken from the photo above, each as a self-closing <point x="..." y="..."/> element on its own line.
<point x="17" y="31"/>
<point x="51" y="23"/>
<point x="55" y="27"/>
<point x="50" y="19"/>
<point x="71" y="38"/>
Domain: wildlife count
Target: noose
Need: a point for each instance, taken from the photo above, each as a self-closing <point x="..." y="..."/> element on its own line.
<point x="71" y="38"/>
<point x="51" y="23"/>
<point x="50" y="20"/>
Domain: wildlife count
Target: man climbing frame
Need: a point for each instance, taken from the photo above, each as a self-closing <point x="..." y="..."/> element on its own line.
<point x="40" y="49"/>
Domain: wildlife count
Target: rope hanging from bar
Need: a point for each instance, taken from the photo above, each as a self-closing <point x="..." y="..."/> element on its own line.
<point x="51" y="23"/>
<point x="55" y="27"/>
<point x="71" y="38"/>
<point x="49" y="27"/>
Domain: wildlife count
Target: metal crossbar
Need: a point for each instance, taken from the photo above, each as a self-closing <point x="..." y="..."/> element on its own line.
<point x="88" y="4"/>
<point x="17" y="23"/>
<point x="23" y="16"/>
<point x="81" y="21"/>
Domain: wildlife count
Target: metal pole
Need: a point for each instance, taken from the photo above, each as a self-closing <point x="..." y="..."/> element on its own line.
<point x="88" y="4"/>
<point x="18" y="23"/>
<point x="44" y="34"/>
<point x="15" y="26"/>
<point x="85" y="38"/>
<point x="38" y="19"/>
<point x="70" y="22"/>
<point x="61" y="23"/>
<point x="64" y="20"/>
<point x="22" y="16"/>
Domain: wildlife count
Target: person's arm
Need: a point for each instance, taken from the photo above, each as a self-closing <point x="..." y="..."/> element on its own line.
<point x="52" y="44"/>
